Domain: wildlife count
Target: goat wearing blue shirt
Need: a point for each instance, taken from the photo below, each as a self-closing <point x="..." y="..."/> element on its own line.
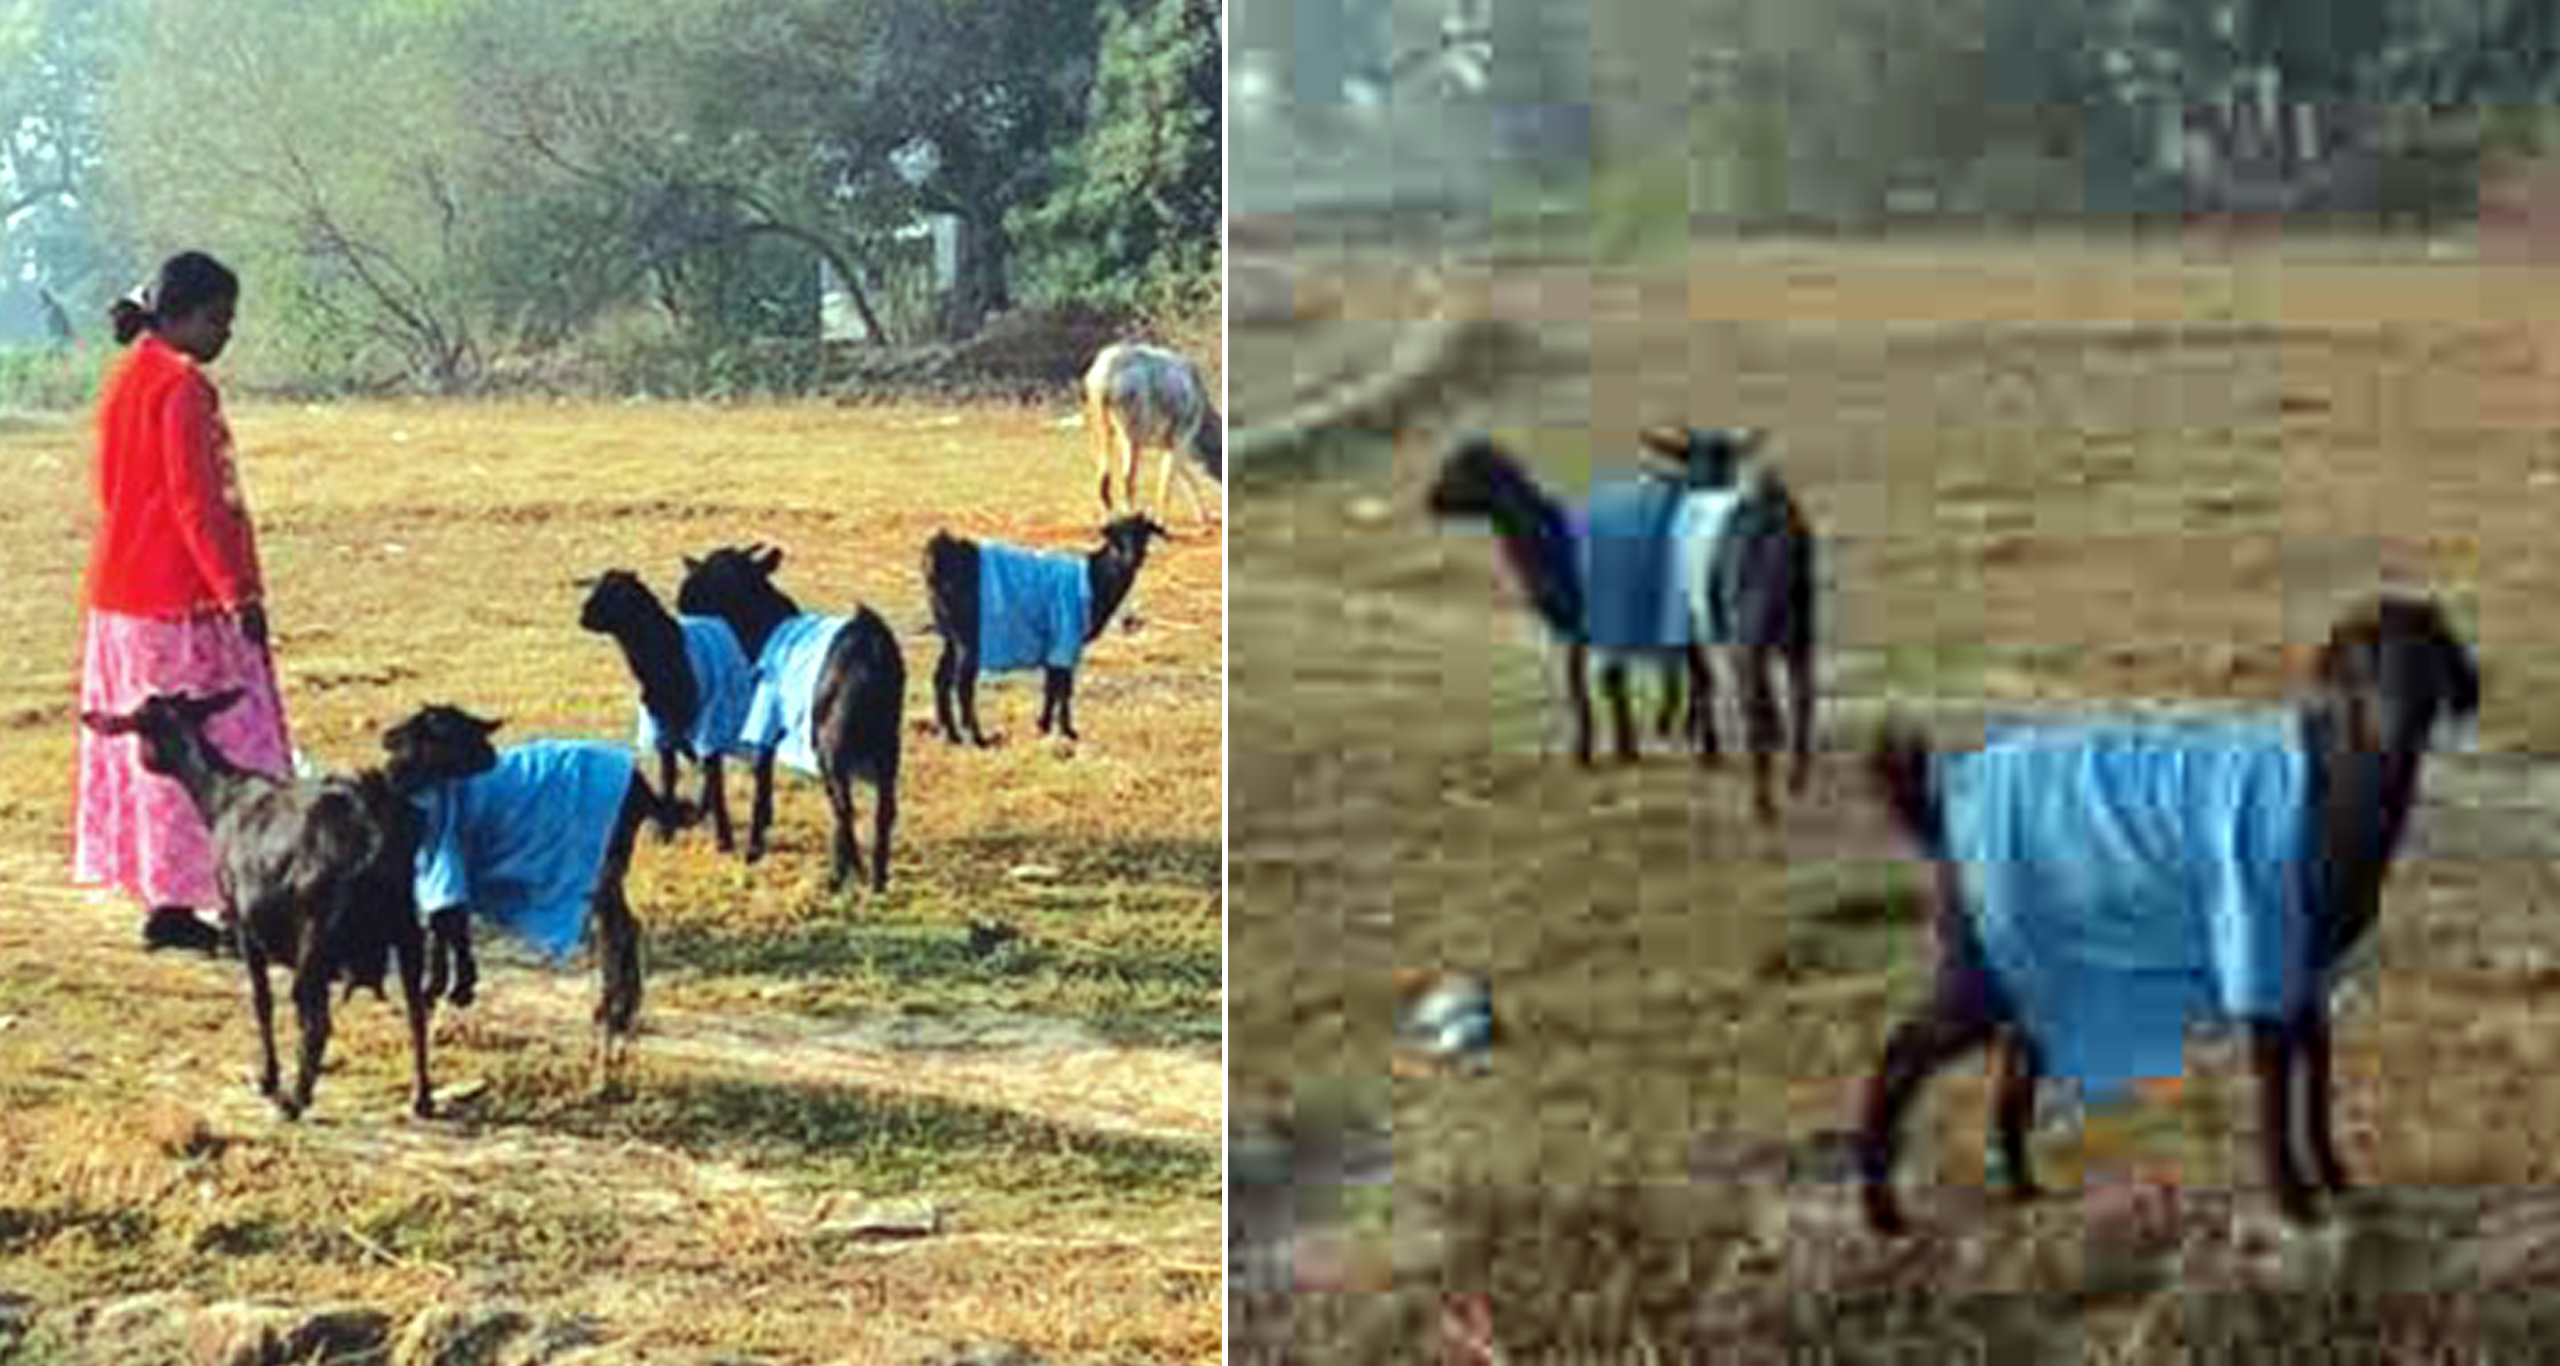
<point x="2102" y="889"/>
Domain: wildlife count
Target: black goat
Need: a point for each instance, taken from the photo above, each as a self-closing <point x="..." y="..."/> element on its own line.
<point x="2390" y="673"/>
<point x="441" y="744"/>
<point x="852" y="711"/>
<point x="953" y="572"/>
<point x="315" y="872"/>
<point x="667" y="655"/>
<point x="1755" y="590"/>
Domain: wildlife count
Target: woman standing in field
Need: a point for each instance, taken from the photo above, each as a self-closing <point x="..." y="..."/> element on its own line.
<point x="172" y="601"/>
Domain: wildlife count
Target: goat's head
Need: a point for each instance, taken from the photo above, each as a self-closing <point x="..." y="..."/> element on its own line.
<point x="725" y="580"/>
<point x="169" y="724"/>
<point x="1473" y="478"/>
<point x="2402" y="676"/>
<point x="1706" y="457"/>
<point x="440" y="742"/>
<point x="1127" y="537"/>
<point x="615" y="599"/>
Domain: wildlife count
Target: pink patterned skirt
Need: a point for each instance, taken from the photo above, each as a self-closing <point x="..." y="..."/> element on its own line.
<point x="138" y="831"/>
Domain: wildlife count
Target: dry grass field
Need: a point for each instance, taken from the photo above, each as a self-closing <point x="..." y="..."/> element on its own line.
<point x="808" y="1065"/>
<point x="2047" y="475"/>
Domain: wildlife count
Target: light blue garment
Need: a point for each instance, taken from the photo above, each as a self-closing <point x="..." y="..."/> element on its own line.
<point x="724" y="683"/>
<point x="1033" y="609"/>
<point x="1631" y="599"/>
<point x="2131" y="881"/>
<point x="782" y="715"/>
<point x="1697" y="533"/>
<point x="523" y="844"/>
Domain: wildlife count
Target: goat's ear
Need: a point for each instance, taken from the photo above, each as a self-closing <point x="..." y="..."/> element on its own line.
<point x="1671" y="443"/>
<point x="769" y="561"/>
<point x="487" y="727"/>
<point x="1748" y="440"/>
<point x="105" y="724"/>
<point x="201" y="709"/>
<point x="691" y="565"/>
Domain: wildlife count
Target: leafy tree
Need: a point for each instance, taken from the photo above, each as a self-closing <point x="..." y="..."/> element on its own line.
<point x="1137" y="206"/>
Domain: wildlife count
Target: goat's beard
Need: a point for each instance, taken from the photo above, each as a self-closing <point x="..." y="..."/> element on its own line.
<point x="2455" y="734"/>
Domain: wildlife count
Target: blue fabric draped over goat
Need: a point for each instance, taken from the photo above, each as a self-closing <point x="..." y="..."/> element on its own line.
<point x="523" y="844"/>
<point x="1033" y="609"/>
<point x="782" y="715"/>
<point x="2132" y="881"/>
<point x="724" y="683"/>
<point x="1645" y="547"/>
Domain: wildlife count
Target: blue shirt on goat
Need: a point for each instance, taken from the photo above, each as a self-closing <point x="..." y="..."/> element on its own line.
<point x="1033" y="609"/>
<point x="723" y="684"/>
<point x="524" y="843"/>
<point x="782" y="715"/>
<point x="2131" y="881"/>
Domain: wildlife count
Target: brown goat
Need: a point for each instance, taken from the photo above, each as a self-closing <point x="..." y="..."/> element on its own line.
<point x="317" y="873"/>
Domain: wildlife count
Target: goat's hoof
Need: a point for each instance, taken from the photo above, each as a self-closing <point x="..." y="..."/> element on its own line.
<point x="424" y="1107"/>
<point x="1885" y="1218"/>
<point x="2299" y="1208"/>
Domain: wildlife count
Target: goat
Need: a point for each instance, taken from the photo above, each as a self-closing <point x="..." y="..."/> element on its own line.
<point x="537" y="840"/>
<point x="1034" y="610"/>
<point x="314" y="872"/>
<point x="1138" y="397"/>
<point x="830" y="698"/>
<point x="1743" y="573"/>
<point x="695" y="684"/>
<point x="2296" y="821"/>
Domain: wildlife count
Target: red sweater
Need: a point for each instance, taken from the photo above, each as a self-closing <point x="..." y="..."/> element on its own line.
<point x="173" y="534"/>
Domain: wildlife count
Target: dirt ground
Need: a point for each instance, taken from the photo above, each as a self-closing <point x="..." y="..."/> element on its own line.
<point x="846" y="1138"/>
<point x="2051" y="474"/>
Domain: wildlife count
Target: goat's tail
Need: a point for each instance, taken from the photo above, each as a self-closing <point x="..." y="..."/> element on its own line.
<point x="1899" y="769"/>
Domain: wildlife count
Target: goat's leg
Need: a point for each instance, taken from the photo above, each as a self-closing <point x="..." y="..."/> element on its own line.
<point x="884" y="816"/>
<point x="968" y="681"/>
<point x="618" y="964"/>
<point x="1067" y="703"/>
<point x="760" y="809"/>
<point x="262" y="999"/>
<point x="1670" y="713"/>
<point x="946" y="672"/>
<point x="2014" y="1114"/>
<point x="409" y="948"/>
<point x="1964" y="1012"/>
<point x="1613" y="683"/>
<point x="1048" y="698"/>
<point x="2319" y="1095"/>
<point x="1760" y="725"/>
<point x="1940" y="1033"/>
<point x="1191" y="482"/>
<point x="311" y="1004"/>
<point x="715" y="799"/>
<point x="1130" y="454"/>
<point x="450" y="930"/>
<point x="2273" y="1050"/>
<point x="1173" y="459"/>
<point x="1801" y="697"/>
<point x="1702" y="707"/>
<point x="667" y="784"/>
<point x="847" y="859"/>
<point x="1577" y="683"/>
